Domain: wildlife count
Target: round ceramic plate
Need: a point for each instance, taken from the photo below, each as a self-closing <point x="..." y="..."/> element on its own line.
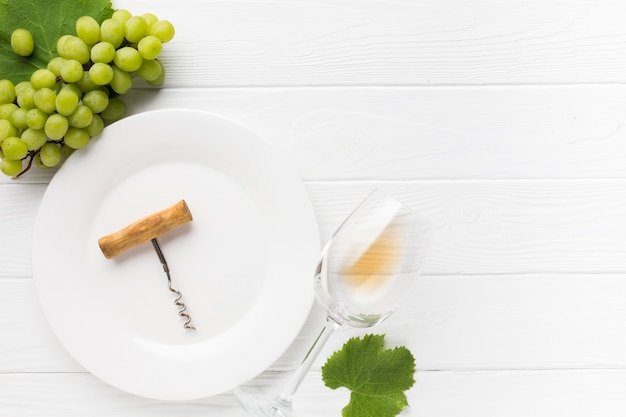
<point x="244" y="264"/>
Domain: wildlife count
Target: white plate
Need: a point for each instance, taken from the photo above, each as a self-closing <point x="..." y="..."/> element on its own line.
<point x="244" y="264"/>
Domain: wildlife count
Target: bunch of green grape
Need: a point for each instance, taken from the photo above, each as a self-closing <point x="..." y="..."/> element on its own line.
<point x="43" y="120"/>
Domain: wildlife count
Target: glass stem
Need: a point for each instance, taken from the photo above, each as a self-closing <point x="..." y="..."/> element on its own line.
<point x="300" y="372"/>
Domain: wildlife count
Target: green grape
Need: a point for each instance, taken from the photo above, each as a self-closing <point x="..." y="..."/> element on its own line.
<point x="112" y="31"/>
<point x="66" y="151"/>
<point x="66" y="101"/>
<point x="50" y="154"/>
<point x="114" y="111"/>
<point x="26" y="97"/>
<point x="71" y="71"/>
<point x="121" y="15"/>
<point x="82" y="117"/>
<point x="45" y="100"/>
<point x="22" y="42"/>
<point x="158" y="81"/>
<point x="34" y="138"/>
<point x="122" y="81"/>
<point x="6" y="110"/>
<point x="75" y="88"/>
<point x="150" y="70"/>
<point x="135" y="29"/>
<point x="101" y="74"/>
<point x="150" y="19"/>
<point x="76" y="138"/>
<point x="36" y="118"/>
<point x="150" y="47"/>
<point x="18" y="118"/>
<point x="38" y="163"/>
<point x="61" y="42"/>
<point x="7" y="92"/>
<point x="96" y="126"/>
<point x="96" y="100"/>
<point x="75" y="48"/>
<point x="6" y="129"/>
<point x="56" y="126"/>
<point x="85" y="84"/>
<point x="128" y="59"/>
<point x="14" y="148"/>
<point x="21" y="86"/>
<point x="103" y="52"/>
<point x="10" y="168"/>
<point x="163" y="29"/>
<point x="55" y="65"/>
<point x="88" y="29"/>
<point x="43" y="78"/>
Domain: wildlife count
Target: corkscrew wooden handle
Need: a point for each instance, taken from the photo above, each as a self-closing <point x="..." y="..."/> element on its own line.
<point x="145" y="229"/>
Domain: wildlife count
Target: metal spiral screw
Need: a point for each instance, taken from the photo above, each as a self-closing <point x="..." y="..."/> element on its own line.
<point x="183" y="307"/>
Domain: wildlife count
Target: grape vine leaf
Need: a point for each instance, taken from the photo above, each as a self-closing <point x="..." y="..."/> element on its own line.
<point x="47" y="21"/>
<point x="376" y="376"/>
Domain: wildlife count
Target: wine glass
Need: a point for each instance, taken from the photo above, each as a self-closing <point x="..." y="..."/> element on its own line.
<point x="365" y="270"/>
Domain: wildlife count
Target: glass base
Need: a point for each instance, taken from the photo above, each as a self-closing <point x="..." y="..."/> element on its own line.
<point x="259" y="404"/>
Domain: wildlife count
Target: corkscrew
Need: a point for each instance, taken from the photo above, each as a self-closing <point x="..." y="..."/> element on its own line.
<point x="148" y="229"/>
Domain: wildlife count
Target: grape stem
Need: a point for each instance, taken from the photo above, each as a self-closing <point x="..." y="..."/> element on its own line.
<point x="31" y="156"/>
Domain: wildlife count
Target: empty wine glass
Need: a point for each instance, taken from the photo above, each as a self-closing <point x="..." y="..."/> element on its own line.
<point x="365" y="270"/>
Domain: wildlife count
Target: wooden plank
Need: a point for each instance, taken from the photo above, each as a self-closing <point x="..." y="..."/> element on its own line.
<point x="29" y="344"/>
<point x="426" y="133"/>
<point x="499" y="227"/>
<point x="350" y="42"/>
<point x="576" y="393"/>
<point x="479" y="227"/>
<point x="492" y="394"/>
<point x="420" y="133"/>
<point x="80" y="394"/>
<point x="449" y="322"/>
<point x="519" y="394"/>
<point x="17" y="214"/>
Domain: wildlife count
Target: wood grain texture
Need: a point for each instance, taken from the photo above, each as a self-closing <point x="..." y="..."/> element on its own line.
<point x="17" y="217"/>
<point x="566" y="132"/>
<point x="435" y="394"/>
<point x="351" y="42"/>
<point x="500" y="322"/>
<point x="427" y="133"/>
<point x="496" y="227"/>
<point x="519" y="394"/>
<point x="478" y="227"/>
<point x="502" y="123"/>
<point x="145" y="229"/>
<point x="29" y="345"/>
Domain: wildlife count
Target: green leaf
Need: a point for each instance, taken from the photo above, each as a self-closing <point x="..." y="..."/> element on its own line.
<point x="376" y="376"/>
<point x="47" y="21"/>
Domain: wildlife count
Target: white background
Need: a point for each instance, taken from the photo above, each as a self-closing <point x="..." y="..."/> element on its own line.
<point x="502" y="122"/>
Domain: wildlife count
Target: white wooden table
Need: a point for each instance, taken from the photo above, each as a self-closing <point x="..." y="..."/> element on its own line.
<point x="504" y="123"/>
